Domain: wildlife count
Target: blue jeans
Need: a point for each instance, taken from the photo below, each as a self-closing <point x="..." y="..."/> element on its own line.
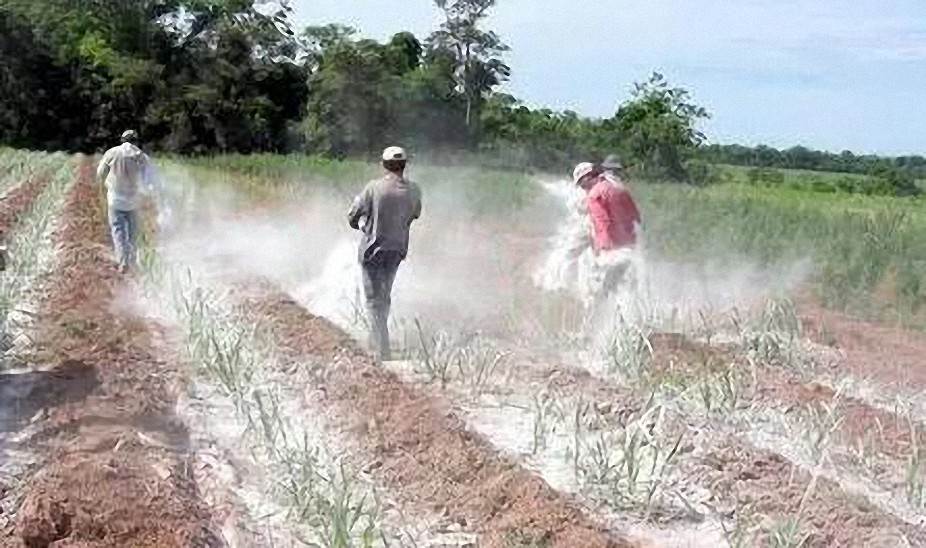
<point x="124" y="227"/>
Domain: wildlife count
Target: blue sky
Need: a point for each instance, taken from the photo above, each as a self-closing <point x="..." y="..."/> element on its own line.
<point x="829" y="74"/>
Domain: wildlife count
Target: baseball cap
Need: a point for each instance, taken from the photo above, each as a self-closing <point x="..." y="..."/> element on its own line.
<point x="395" y="154"/>
<point x="581" y="171"/>
<point x="129" y="135"/>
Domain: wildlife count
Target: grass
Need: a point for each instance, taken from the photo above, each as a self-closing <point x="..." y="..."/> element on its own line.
<point x="629" y="351"/>
<point x="466" y="358"/>
<point x="484" y="192"/>
<point x="793" y="178"/>
<point x="865" y="252"/>
<point x="318" y="492"/>
<point x="29" y="248"/>
<point x="820" y="422"/>
<point x="721" y="392"/>
<point x="17" y="165"/>
<point x="858" y="254"/>
<point x="788" y="534"/>
<point x="628" y="467"/>
<point x="548" y="415"/>
<point x="789" y="531"/>
<point x="519" y="539"/>
<point x="862" y="254"/>
<point x="739" y="529"/>
<point x="914" y="482"/>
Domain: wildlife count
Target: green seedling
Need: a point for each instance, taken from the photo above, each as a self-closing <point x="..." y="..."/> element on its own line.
<point x="741" y="533"/>
<point x="914" y="482"/>
<point x="548" y="414"/>
<point x="788" y="534"/>
<point x="629" y="467"/>
<point x="230" y="352"/>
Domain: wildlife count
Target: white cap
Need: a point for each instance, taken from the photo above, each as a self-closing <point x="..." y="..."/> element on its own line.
<point x="396" y="154"/>
<point x="582" y="170"/>
<point x="129" y="135"/>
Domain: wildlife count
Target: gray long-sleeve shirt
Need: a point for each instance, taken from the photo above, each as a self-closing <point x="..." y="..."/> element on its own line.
<point x="388" y="207"/>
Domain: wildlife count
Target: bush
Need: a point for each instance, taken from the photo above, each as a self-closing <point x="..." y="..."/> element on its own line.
<point x="891" y="182"/>
<point x="812" y="182"/>
<point x="704" y="174"/>
<point x="763" y="176"/>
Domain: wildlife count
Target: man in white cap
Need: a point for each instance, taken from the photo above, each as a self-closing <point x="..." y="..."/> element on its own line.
<point x="615" y="217"/>
<point x="387" y="207"/>
<point x="124" y="169"/>
<point x="615" y="221"/>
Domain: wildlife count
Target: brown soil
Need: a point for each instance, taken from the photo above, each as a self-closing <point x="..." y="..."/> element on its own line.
<point x="889" y="355"/>
<point x="114" y="470"/>
<point x="777" y="491"/>
<point x="876" y="429"/>
<point x="740" y="475"/>
<point x="421" y="449"/>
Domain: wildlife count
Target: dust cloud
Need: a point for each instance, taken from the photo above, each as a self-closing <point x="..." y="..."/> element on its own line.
<point x="504" y="273"/>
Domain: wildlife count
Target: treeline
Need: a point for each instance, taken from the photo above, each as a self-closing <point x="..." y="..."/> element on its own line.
<point x="217" y="76"/>
<point x="193" y="76"/>
<point x="812" y="160"/>
<point x="204" y="76"/>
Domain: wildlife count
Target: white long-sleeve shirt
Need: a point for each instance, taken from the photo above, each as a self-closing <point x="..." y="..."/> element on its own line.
<point x="125" y="169"/>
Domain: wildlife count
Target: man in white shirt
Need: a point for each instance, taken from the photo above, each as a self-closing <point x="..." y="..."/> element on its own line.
<point x="123" y="169"/>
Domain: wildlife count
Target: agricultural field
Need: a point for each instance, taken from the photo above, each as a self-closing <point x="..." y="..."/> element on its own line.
<point x="804" y="180"/>
<point x="763" y="388"/>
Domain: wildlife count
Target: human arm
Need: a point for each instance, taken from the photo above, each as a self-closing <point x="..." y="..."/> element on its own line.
<point x="578" y="240"/>
<point x="416" y="212"/>
<point x="630" y="206"/>
<point x="360" y="208"/>
<point x="102" y="170"/>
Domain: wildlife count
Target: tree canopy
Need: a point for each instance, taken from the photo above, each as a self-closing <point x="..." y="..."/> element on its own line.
<point x="206" y="76"/>
<point x="191" y="75"/>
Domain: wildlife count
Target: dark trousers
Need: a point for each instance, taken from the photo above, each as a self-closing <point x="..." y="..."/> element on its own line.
<point x="378" y="276"/>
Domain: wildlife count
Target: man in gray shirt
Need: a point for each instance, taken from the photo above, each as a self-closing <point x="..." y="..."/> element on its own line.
<point x="387" y="207"/>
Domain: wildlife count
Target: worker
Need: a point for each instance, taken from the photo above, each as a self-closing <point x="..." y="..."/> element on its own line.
<point x="615" y="221"/>
<point x="384" y="212"/>
<point x="123" y="169"/>
<point x="613" y="165"/>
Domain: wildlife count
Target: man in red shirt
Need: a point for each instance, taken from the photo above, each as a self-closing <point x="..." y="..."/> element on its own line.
<point x="615" y="221"/>
<point x="614" y="214"/>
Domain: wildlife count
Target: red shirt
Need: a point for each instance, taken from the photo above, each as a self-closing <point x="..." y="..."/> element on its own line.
<point x="613" y="213"/>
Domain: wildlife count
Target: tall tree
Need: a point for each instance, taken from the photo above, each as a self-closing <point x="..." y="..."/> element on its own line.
<point x="348" y="110"/>
<point x="476" y="53"/>
<point x="234" y="86"/>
